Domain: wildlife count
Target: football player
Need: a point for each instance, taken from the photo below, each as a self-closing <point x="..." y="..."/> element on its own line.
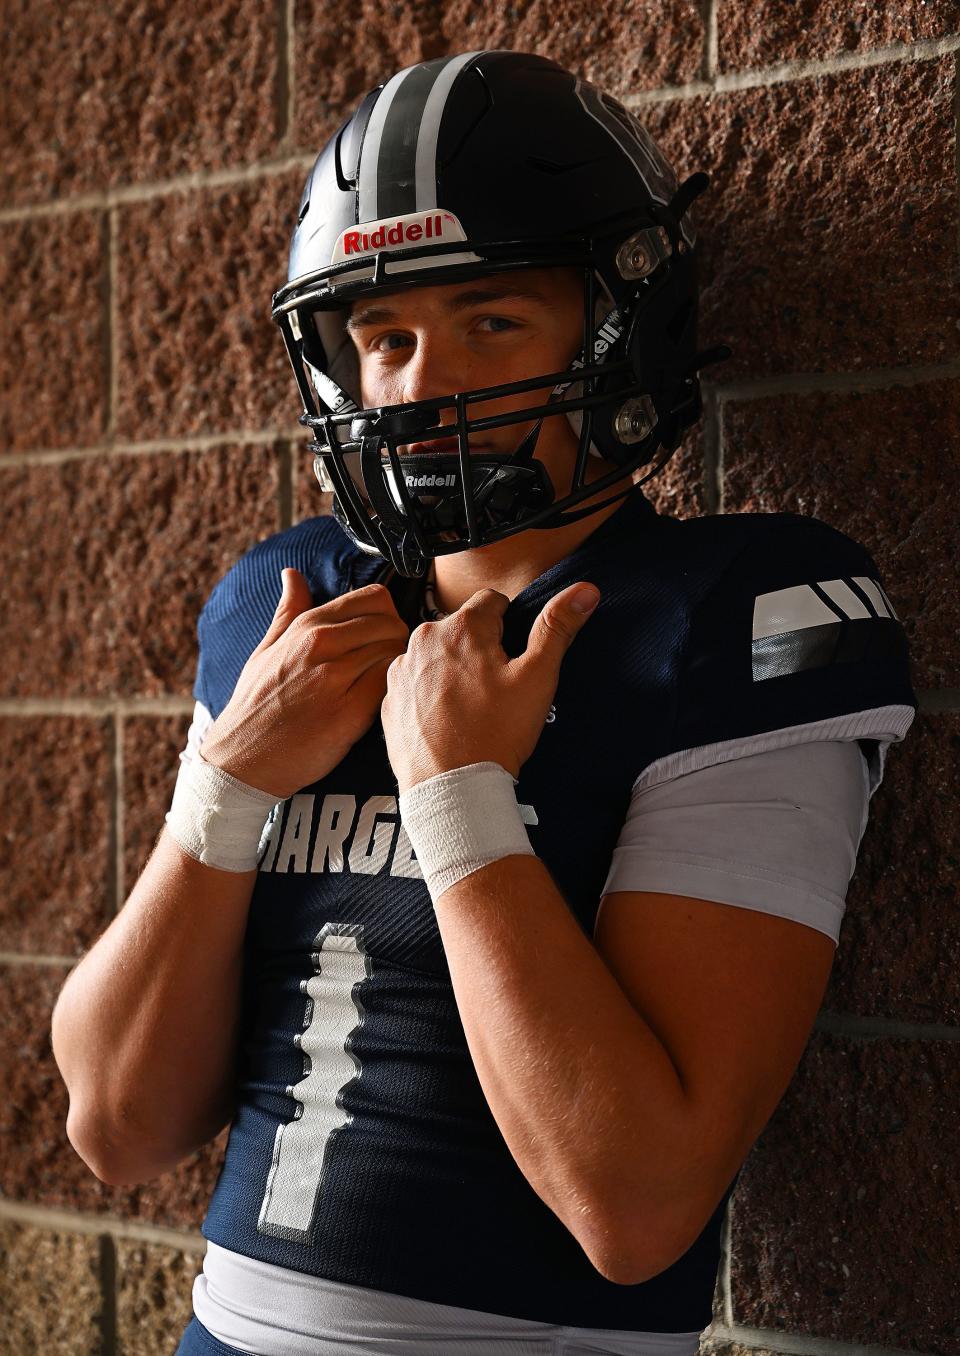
<point x="508" y="855"/>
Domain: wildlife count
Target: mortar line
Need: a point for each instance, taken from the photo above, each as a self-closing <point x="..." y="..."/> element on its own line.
<point x="882" y="1028"/>
<point x="16" y="958"/>
<point x="799" y="1344"/>
<point x="923" y="50"/>
<point x="726" y="1287"/>
<point x="108" y="1294"/>
<point x="87" y="1223"/>
<point x="97" y="706"/>
<point x="56" y="456"/>
<point x="865" y="379"/>
<point x="712" y="41"/>
<point x="787" y="72"/>
<point x="138" y="193"/>
<point x="939" y="700"/>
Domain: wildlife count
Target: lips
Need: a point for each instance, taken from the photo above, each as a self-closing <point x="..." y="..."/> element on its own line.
<point x="439" y="446"/>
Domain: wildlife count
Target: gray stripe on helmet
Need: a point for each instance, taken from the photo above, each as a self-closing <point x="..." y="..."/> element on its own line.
<point x="367" y="205"/>
<point x="428" y="139"/>
<point x="397" y="166"/>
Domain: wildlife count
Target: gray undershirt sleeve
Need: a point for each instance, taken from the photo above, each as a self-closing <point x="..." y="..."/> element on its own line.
<point x="777" y="831"/>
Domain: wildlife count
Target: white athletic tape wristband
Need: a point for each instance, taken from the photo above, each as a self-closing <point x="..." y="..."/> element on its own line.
<point x="461" y="820"/>
<point x="217" y="819"/>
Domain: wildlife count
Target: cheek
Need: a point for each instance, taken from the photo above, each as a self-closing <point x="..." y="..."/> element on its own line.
<point x="378" y="385"/>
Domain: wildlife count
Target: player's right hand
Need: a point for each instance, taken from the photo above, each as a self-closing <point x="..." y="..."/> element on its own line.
<point x="309" y="690"/>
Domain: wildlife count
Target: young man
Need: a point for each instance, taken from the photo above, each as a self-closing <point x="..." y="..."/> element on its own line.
<point x="504" y="923"/>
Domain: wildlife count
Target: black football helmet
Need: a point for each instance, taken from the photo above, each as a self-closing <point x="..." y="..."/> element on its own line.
<point x="458" y="168"/>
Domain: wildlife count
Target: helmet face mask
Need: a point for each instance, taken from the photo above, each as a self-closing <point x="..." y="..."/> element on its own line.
<point x="629" y="391"/>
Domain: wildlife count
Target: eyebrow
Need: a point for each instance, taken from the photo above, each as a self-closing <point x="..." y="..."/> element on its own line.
<point x="376" y="315"/>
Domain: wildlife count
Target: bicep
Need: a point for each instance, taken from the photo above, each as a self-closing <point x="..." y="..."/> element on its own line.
<point x="730" y="975"/>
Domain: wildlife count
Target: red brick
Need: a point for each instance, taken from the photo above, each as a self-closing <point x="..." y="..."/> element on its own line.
<point x="829" y="233"/>
<point x="679" y="490"/>
<point x="56" y="803"/>
<point x="50" y="1290"/>
<point x="151" y="748"/>
<point x="772" y="31"/>
<point x="848" y="1208"/>
<point x="622" y="47"/>
<point x="197" y="351"/>
<point x="101" y="95"/>
<point x="108" y="562"/>
<point x="871" y="464"/>
<point x="39" y="1164"/>
<point x="53" y="348"/>
<point x="154" y="1295"/>
<point x="899" y="953"/>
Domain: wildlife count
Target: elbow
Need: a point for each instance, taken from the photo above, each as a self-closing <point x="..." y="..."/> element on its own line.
<point x="618" y="1258"/>
<point x="632" y="1257"/>
<point x="105" y="1155"/>
<point x="624" y="1268"/>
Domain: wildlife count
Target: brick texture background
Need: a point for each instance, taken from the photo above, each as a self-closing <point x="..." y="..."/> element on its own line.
<point x="151" y="159"/>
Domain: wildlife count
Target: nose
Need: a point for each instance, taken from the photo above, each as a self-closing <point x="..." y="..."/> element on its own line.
<point x="432" y="370"/>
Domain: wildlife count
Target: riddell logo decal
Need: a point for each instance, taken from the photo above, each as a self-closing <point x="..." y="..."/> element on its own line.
<point x="394" y="233"/>
<point x="419" y="482"/>
<point x="606" y="336"/>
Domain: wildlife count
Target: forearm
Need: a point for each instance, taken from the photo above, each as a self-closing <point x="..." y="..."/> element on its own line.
<point x="586" y="1097"/>
<point x="144" y="1030"/>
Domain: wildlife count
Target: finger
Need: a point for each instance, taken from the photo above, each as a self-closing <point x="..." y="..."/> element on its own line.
<point x="370" y="599"/>
<point x="380" y="658"/>
<point x="335" y="638"/>
<point x="485" y="609"/>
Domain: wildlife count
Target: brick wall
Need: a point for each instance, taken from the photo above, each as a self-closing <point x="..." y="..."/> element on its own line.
<point x="151" y="159"/>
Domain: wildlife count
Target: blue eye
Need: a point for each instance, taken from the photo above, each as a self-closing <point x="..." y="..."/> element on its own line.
<point x="394" y="335"/>
<point x="500" y="320"/>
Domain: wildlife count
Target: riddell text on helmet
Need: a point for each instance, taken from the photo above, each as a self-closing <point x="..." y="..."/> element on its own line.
<point x="398" y="232"/>
<point x="359" y="242"/>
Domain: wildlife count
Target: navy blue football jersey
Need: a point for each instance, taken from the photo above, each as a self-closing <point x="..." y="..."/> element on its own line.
<point x="363" y="1149"/>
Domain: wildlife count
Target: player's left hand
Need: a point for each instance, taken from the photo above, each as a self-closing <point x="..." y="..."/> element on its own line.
<point x="454" y="697"/>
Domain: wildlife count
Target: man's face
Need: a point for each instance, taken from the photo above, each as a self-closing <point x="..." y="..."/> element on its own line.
<point x="432" y="341"/>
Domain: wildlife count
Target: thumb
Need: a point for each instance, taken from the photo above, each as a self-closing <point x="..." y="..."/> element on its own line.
<point x="295" y="597"/>
<point x="560" y="620"/>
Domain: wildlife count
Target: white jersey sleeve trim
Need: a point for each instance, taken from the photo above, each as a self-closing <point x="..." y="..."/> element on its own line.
<point x="202" y="720"/>
<point x="199" y="725"/>
<point x="886" y="724"/>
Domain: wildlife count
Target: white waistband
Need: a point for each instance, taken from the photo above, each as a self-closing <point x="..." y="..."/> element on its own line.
<point x="258" y="1307"/>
